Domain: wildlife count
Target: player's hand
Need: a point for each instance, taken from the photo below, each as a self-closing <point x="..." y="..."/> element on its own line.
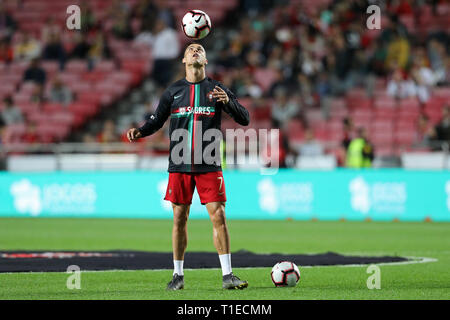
<point x="220" y="95"/>
<point x="133" y="134"/>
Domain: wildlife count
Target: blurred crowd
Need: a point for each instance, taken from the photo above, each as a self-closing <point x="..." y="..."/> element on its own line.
<point x="279" y="55"/>
<point x="289" y="59"/>
<point x="53" y="42"/>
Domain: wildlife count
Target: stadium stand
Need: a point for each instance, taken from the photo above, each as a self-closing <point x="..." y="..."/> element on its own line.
<point x="320" y="52"/>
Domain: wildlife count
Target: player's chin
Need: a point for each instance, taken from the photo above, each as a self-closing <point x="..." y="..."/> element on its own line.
<point x="198" y="63"/>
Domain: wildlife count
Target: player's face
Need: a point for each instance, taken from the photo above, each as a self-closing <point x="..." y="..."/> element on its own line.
<point x="195" y="54"/>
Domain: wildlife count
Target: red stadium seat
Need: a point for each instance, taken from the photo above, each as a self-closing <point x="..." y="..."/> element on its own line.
<point x="6" y="89"/>
<point x="384" y="113"/>
<point x="381" y="138"/>
<point x="382" y="126"/>
<point x="52" y="107"/>
<point x="83" y="109"/>
<point x="50" y="67"/>
<point x="295" y="130"/>
<point x="80" y="88"/>
<point x="405" y="137"/>
<point x="105" y="66"/>
<point x="63" y="118"/>
<point x="409" y="103"/>
<point x="76" y="66"/>
<point x="385" y="102"/>
<point x="260" y="113"/>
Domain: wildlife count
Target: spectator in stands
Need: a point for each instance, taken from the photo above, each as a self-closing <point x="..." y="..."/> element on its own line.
<point x="88" y="19"/>
<point x="116" y="8"/>
<point x="28" y="48"/>
<point x="166" y="49"/>
<point x="400" y="85"/>
<point x="360" y="153"/>
<point x="2" y="131"/>
<point x="81" y="48"/>
<point x="35" y="72"/>
<point x="310" y="147"/>
<point x="398" y="51"/>
<point x="122" y="26"/>
<point x="424" y="80"/>
<point x="49" y="29"/>
<point x="341" y="150"/>
<point x="425" y="132"/>
<point x="60" y="93"/>
<point x="54" y="50"/>
<point x="88" y="138"/>
<point x="348" y="132"/>
<point x="337" y="63"/>
<point x="108" y="133"/>
<point x="250" y="87"/>
<point x="30" y="136"/>
<point x="147" y="12"/>
<point x="446" y="80"/>
<point x="437" y="54"/>
<point x="442" y="129"/>
<point x="283" y="109"/>
<point x="344" y="58"/>
<point x="99" y="49"/>
<point x="11" y="114"/>
<point x="37" y="95"/>
<point x="165" y="13"/>
<point x="305" y="89"/>
<point x="279" y="82"/>
<point x="7" y="23"/>
<point x="6" y="51"/>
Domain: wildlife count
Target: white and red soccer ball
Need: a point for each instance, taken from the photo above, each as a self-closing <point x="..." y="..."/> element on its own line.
<point x="285" y="274"/>
<point x="196" y="24"/>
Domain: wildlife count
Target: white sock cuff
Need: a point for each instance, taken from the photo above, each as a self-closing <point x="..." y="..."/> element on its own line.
<point x="178" y="267"/>
<point x="225" y="263"/>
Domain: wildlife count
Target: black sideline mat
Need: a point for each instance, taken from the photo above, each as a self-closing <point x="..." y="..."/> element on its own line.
<point x="46" y="261"/>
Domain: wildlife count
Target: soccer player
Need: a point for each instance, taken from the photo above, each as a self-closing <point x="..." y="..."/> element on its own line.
<point x="194" y="105"/>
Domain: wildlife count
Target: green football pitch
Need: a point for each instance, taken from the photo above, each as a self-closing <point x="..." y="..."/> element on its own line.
<point x="405" y="281"/>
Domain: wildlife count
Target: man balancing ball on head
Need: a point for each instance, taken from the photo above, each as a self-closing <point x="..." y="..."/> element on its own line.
<point x="195" y="105"/>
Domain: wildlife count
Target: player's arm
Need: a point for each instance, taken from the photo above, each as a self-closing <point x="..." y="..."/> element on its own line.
<point x="156" y="121"/>
<point x="231" y="105"/>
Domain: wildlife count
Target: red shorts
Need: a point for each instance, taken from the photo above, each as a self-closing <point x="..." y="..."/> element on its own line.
<point x="210" y="187"/>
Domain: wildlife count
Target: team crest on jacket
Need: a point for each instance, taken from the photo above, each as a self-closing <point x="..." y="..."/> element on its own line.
<point x="209" y="96"/>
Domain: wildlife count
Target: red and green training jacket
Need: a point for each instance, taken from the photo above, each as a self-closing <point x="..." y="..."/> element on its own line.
<point x="191" y="107"/>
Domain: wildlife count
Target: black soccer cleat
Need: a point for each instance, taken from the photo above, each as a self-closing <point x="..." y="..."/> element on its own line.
<point x="176" y="283"/>
<point x="230" y="281"/>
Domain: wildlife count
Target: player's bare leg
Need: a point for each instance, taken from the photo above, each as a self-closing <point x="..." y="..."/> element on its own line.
<point x="221" y="238"/>
<point x="179" y="244"/>
<point x="216" y="211"/>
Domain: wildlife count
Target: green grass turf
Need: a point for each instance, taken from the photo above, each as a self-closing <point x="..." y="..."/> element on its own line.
<point x="415" y="281"/>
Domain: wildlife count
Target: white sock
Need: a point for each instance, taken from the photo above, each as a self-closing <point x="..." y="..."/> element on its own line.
<point x="178" y="267"/>
<point x="225" y="263"/>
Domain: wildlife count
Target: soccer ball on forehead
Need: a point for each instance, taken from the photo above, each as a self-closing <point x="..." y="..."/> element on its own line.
<point x="196" y="24"/>
<point x="285" y="274"/>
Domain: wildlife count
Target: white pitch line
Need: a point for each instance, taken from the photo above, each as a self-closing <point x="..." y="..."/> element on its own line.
<point x="414" y="260"/>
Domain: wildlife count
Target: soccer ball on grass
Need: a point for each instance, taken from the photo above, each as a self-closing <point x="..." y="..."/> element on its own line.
<point x="285" y="274"/>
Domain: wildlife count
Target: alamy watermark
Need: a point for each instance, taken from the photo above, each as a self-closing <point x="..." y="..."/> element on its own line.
<point x="251" y="147"/>
<point x="73" y="22"/>
<point x="373" y="281"/>
<point x="74" y="280"/>
<point x="374" y="20"/>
